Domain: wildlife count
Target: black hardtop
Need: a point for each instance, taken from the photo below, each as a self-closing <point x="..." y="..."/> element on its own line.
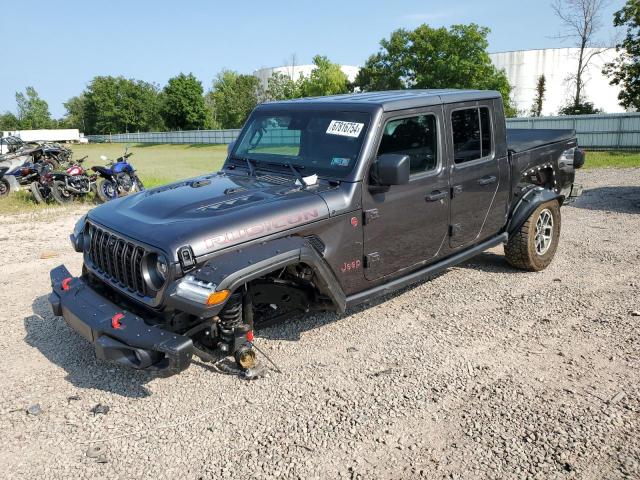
<point x="522" y="139"/>
<point x="388" y="101"/>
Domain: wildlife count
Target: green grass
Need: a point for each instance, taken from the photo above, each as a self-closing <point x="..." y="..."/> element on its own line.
<point x="156" y="164"/>
<point x="612" y="160"/>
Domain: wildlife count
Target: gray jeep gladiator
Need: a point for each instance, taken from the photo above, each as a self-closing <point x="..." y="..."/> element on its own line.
<point x="321" y="204"/>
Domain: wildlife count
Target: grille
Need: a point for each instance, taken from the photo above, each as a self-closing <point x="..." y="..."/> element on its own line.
<point x="118" y="259"/>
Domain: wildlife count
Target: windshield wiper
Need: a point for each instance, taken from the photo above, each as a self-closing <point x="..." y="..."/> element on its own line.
<point x="252" y="170"/>
<point x="294" y="169"/>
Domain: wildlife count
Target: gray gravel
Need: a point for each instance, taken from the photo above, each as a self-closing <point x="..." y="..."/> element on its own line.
<point x="483" y="372"/>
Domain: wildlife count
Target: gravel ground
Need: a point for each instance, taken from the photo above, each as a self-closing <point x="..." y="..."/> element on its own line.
<point x="483" y="372"/>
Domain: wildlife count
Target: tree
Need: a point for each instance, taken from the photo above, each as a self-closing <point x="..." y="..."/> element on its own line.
<point x="282" y="87"/>
<point x="583" y="108"/>
<point x="325" y="79"/>
<point x="581" y="19"/>
<point x="33" y="112"/>
<point x="541" y="88"/>
<point x="625" y="70"/>
<point x="8" y="121"/>
<point x="183" y="106"/>
<point x="233" y="97"/>
<point x="435" y="58"/>
<point x="118" y="104"/>
<point x="75" y="116"/>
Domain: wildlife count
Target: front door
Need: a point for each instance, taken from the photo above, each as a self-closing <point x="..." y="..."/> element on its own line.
<point x="405" y="225"/>
<point x="474" y="171"/>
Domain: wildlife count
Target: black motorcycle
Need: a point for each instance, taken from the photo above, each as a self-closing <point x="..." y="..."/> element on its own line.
<point x="74" y="182"/>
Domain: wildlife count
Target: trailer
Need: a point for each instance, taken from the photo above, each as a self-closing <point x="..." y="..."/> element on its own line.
<point x="47" y="135"/>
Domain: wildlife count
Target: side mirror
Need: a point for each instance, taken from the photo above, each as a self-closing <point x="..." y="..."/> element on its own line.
<point x="230" y="147"/>
<point x="393" y="169"/>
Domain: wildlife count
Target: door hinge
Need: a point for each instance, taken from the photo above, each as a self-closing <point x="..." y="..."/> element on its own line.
<point x="371" y="259"/>
<point x="454" y="229"/>
<point x="370" y="215"/>
<point x="456" y="190"/>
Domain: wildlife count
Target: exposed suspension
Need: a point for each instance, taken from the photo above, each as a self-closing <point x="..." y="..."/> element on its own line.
<point x="236" y="335"/>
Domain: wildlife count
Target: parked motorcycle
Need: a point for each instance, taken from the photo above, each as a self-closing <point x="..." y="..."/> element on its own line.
<point x="42" y="183"/>
<point x="118" y="178"/>
<point x="74" y="182"/>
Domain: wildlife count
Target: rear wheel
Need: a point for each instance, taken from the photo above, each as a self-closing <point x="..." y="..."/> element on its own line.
<point x="106" y="190"/>
<point x="60" y="192"/>
<point x="5" y="188"/>
<point x="534" y="245"/>
<point x="38" y="194"/>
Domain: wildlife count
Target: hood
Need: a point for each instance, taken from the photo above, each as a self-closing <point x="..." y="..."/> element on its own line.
<point x="212" y="212"/>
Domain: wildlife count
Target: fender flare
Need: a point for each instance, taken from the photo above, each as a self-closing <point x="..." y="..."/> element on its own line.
<point x="231" y="270"/>
<point x="527" y="205"/>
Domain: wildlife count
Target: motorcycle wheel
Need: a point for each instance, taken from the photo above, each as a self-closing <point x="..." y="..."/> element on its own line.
<point x="37" y="193"/>
<point x="60" y="193"/>
<point x="107" y="190"/>
<point x="53" y="162"/>
<point x="139" y="185"/>
<point x="5" y="188"/>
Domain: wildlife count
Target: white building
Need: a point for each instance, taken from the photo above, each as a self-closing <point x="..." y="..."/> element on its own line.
<point x="294" y="72"/>
<point x="524" y="67"/>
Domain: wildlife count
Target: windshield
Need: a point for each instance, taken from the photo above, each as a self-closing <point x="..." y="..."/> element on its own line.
<point x="314" y="142"/>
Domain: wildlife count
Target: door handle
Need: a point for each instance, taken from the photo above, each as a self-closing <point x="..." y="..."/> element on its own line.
<point x="487" y="180"/>
<point x="436" y="195"/>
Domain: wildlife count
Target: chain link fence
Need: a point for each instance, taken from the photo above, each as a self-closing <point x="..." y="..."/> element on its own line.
<point x="618" y="131"/>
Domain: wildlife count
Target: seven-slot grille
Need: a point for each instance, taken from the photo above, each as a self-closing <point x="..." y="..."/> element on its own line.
<point x="118" y="259"/>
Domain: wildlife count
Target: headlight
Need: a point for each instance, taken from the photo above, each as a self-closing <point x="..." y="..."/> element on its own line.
<point x="77" y="238"/>
<point x="156" y="270"/>
<point x="162" y="267"/>
<point x="198" y="291"/>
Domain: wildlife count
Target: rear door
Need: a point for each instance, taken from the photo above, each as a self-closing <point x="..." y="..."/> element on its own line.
<point x="405" y="225"/>
<point x="474" y="170"/>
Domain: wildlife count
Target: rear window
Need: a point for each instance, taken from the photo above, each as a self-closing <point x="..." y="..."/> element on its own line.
<point x="472" y="134"/>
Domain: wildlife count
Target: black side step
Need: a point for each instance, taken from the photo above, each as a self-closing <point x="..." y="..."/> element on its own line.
<point x="426" y="272"/>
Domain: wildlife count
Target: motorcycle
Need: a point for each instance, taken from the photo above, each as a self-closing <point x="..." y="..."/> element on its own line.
<point x="74" y="182"/>
<point x="41" y="184"/>
<point x="118" y="178"/>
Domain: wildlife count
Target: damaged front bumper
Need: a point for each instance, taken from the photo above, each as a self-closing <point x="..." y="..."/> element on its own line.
<point x="118" y="336"/>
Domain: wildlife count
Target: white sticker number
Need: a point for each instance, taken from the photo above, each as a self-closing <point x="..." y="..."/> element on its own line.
<point x="345" y="129"/>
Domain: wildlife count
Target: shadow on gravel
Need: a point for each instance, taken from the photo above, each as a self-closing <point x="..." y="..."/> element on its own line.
<point x="64" y="347"/>
<point x="610" y="199"/>
<point x="491" y="262"/>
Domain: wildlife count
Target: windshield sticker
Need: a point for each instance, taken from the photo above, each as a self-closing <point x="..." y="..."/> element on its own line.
<point x="340" y="162"/>
<point x="345" y="129"/>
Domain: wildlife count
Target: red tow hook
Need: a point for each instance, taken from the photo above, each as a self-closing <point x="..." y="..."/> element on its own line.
<point x="250" y="336"/>
<point x="115" y="321"/>
<point x="65" y="283"/>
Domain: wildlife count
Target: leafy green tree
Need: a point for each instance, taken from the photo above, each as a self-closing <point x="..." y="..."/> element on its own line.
<point x="75" y="116"/>
<point x="282" y="87"/>
<point x="582" y="108"/>
<point x="183" y="106"/>
<point x="8" y="121"/>
<point x="541" y="90"/>
<point x="118" y="104"/>
<point x="233" y="97"/>
<point x="625" y="70"/>
<point x="33" y="112"/>
<point x="435" y="58"/>
<point x="326" y="79"/>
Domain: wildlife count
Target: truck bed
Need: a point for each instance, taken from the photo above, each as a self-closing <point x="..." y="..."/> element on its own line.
<point x="522" y="139"/>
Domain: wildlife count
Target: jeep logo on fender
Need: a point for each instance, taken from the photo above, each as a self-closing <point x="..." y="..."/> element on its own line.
<point x="279" y="223"/>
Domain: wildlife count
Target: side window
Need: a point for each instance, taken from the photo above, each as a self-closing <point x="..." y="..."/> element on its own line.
<point x="472" y="135"/>
<point x="413" y="136"/>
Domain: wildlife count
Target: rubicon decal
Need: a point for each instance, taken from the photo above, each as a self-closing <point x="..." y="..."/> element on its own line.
<point x="263" y="228"/>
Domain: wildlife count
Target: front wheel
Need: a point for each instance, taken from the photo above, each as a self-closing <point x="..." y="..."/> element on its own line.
<point x="60" y="193"/>
<point x="5" y="188"/>
<point x="106" y="190"/>
<point x="534" y="245"/>
<point x="38" y="194"/>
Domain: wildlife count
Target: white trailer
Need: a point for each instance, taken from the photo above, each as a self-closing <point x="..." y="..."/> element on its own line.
<point x="47" y="135"/>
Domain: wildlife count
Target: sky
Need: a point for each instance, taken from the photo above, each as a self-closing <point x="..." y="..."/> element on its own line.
<point x="59" y="46"/>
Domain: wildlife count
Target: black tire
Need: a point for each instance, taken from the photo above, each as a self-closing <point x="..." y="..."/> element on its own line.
<point x="60" y="193"/>
<point x="37" y="193"/>
<point x="528" y="248"/>
<point x="5" y="188"/>
<point x="139" y="184"/>
<point x="53" y="162"/>
<point x="103" y="184"/>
